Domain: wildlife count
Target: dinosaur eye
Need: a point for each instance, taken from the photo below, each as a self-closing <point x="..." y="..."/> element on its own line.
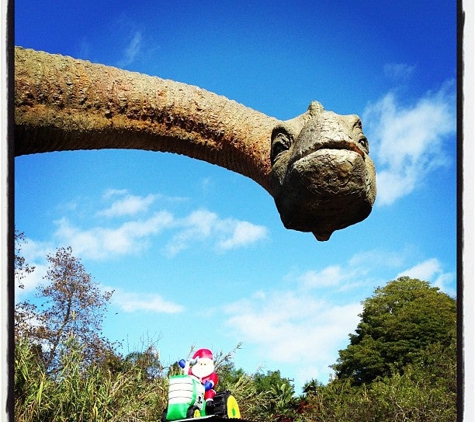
<point x="281" y="142"/>
<point x="363" y="141"/>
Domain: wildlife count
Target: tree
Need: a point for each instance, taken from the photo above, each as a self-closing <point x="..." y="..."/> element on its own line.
<point x="147" y="363"/>
<point x="398" y="324"/>
<point x="400" y="365"/>
<point x="281" y="400"/>
<point x="71" y="305"/>
<point x="272" y="380"/>
<point x="22" y="268"/>
<point x="25" y="313"/>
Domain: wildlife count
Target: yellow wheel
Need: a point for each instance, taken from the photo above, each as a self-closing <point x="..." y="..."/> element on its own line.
<point x="193" y="412"/>
<point x="232" y="408"/>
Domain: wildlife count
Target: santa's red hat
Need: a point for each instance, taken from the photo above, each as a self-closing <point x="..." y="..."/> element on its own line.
<point x="203" y="353"/>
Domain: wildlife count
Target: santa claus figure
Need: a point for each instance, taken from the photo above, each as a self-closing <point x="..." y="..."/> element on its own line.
<point x="202" y="367"/>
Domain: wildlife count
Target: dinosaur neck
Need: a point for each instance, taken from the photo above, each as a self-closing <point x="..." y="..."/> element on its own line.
<point x="66" y="104"/>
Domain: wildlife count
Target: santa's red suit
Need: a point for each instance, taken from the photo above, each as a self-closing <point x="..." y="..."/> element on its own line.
<point x="204" y="370"/>
<point x="213" y="378"/>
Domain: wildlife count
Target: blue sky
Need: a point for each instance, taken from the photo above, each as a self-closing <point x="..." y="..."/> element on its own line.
<point x="196" y="254"/>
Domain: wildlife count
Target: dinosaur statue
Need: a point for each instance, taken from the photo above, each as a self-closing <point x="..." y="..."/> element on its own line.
<point x="316" y="166"/>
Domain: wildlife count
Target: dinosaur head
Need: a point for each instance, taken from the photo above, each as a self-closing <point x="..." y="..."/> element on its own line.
<point x="322" y="176"/>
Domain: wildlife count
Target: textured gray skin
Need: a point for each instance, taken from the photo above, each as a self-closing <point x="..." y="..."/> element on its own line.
<point x="322" y="175"/>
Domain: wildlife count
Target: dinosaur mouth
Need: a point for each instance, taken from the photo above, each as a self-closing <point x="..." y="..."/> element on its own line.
<point x="328" y="165"/>
<point x="326" y="147"/>
<point x="326" y="190"/>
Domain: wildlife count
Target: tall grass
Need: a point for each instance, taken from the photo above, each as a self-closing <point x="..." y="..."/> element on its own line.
<point x="83" y="392"/>
<point x="125" y="389"/>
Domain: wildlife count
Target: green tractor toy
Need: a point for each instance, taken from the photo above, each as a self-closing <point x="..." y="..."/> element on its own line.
<point x="189" y="393"/>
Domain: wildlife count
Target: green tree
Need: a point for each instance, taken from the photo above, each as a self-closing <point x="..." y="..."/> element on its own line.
<point x="425" y="391"/>
<point x="398" y="323"/>
<point x="148" y="363"/>
<point x="407" y="317"/>
<point x="271" y="380"/>
<point x="281" y="401"/>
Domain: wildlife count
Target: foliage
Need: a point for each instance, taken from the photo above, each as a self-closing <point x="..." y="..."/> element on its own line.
<point x="72" y="304"/>
<point x="148" y="362"/>
<point x="252" y="403"/>
<point x="64" y="368"/>
<point x="83" y="391"/>
<point x="401" y="365"/>
<point x="22" y="268"/>
<point x="281" y="399"/>
<point x="397" y="323"/>
<point x="416" y="395"/>
<point x="263" y="397"/>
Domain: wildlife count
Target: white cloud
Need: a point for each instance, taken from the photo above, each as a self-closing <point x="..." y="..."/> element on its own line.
<point x="445" y="281"/>
<point x="35" y="255"/>
<point x="207" y="184"/>
<point x="129" y="205"/>
<point x="423" y="270"/>
<point x="242" y="233"/>
<point x="197" y="226"/>
<point x="100" y="243"/>
<point x="409" y="140"/>
<point x="353" y="275"/>
<point x="132" y="49"/>
<point x="133" y="236"/>
<point x="431" y="271"/>
<point x="329" y="276"/>
<point x="84" y="49"/>
<point x="30" y="282"/>
<point x="399" y="71"/>
<point x="379" y="258"/>
<point x="226" y="234"/>
<point x="33" y="250"/>
<point x="305" y="327"/>
<point x="114" y="192"/>
<point x="132" y="302"/>
<point x="290" y="327"/>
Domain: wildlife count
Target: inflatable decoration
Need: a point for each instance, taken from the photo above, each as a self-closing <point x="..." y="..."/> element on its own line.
<point x="192" y="394"/>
